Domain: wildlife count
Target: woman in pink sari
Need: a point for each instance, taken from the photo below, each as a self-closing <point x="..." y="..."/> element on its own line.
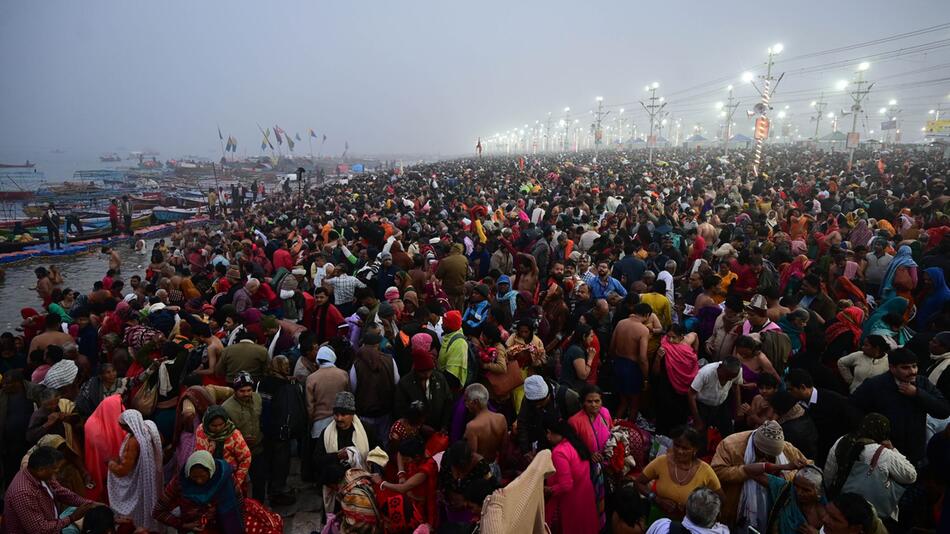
<point x="570" y="506"/>
<point x="103" y="437"/>
<point x="592" y="425"/>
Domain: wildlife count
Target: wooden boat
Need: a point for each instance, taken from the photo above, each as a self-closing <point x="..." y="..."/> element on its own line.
<point x="165" y="215"/>
<point x="144" y="201"/>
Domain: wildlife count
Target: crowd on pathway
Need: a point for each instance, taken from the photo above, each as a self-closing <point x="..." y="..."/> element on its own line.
<point x="595" y="344"/>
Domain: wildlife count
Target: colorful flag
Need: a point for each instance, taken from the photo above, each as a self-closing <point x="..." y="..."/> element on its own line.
<point x="297" y="136"/>
<point x="324" y="138"/>
<point x="233" y="144"/>
<point x="312" y="133"/>
<point x="280" y="141"/>
<point x="290" y="143"/>
<point x="227" y="147"/>
<point x="264" y="144"/>
<point x="220" y="136"/>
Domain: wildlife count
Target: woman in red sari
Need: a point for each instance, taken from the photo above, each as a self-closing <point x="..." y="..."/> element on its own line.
<point x="103" y="438"/>
<point x="419" y="483"/>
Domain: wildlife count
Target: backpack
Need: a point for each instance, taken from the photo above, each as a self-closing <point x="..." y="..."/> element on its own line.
<point x="472" y="359"/>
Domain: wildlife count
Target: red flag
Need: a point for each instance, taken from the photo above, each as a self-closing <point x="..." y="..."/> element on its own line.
<point x="880" y="166"/>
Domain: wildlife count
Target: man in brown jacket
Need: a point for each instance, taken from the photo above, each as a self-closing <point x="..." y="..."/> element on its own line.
<point x="452" y="271"/>
<point x="742" y="461"/>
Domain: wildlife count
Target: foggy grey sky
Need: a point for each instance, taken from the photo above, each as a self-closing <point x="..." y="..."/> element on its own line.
<point x="404" y="76"/>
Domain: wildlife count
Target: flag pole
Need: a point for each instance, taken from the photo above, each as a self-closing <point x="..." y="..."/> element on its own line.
<point x="221" y="140"/>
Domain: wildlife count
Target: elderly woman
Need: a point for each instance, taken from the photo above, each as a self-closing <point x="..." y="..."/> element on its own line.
<point x="741" y="461"/>
<point x="797" y="505"/>
<point x="206" y="496"/>
<point x="135" y="479"/>
<point x="218" y="435"/>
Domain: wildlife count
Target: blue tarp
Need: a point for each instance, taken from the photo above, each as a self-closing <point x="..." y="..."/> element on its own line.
<point x="358" y="167"/>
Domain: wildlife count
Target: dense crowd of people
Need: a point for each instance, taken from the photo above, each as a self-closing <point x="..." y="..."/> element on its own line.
<point x="617" y="346"/>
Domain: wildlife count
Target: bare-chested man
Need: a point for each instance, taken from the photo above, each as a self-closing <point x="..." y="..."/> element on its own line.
<point x="487" y="432"/>
<point x="215" y="348"/>
<point x="44" y="286"/>
<point x="115" y="262"/>
<point x="52" y="335"/>
<point x="631" y="366"/>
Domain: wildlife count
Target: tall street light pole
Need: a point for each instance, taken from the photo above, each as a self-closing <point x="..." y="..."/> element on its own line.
<point x="652" y="110"/>
<point x="598" y="132"/>
<point x="729" y="108"/>
<point x="769" y="83"/>
<point x="858" y="94"/>
<point x="567" y="127"/>
<point x="819" y="106"/>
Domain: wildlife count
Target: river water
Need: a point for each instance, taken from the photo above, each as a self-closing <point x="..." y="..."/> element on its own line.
<point x="79" y="273"/>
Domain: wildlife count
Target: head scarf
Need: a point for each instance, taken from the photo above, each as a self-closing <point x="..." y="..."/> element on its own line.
<point x="135" y="494"/>
<point x="935" y="300"/>
<point x="219" y="489"/>
<point x="217" y="412"/>
<point x="61" y="374"/>
<point x="848" y="320"/>
<point x="202" y="459"/>
<point x="861" y="235"/>
<point x="875" y="322"/>
<point x="904" y="258"/>
<point x="280" y="367"/>
<point x="794" y="269"/>
<point x="874" y="428"/>
<point x="103" y="440"/>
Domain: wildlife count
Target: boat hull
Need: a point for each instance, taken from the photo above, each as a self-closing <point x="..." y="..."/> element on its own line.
<point x="165" y="215"/>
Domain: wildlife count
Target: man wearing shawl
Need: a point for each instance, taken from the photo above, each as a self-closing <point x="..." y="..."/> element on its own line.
<point x="741" y="462"/>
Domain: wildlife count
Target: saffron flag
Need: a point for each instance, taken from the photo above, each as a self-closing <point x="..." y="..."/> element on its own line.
<point x="312" y="133"/>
